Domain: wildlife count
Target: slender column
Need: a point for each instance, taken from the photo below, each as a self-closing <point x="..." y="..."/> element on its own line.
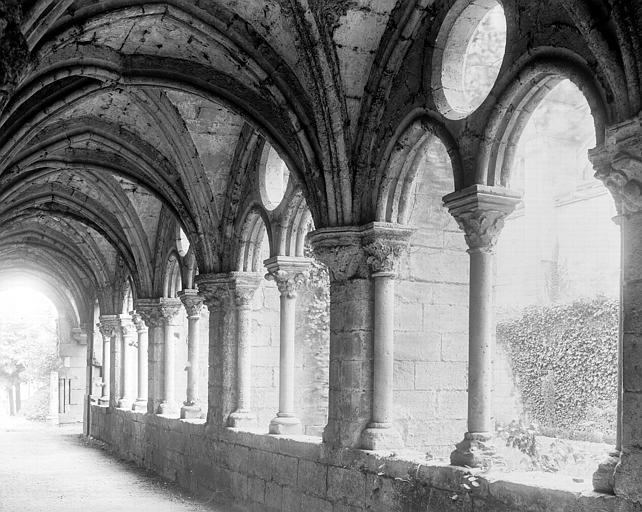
<point x="480" y="212"/>
<point x="288" y="275"/>
<point x="150" y="312"/>
<point x="107" y="326"/>
<point x="140" y="404"/>
<point x="618" y="165"/>
<point x="126" y="341"/>
<point x="217" y="293"/>
<point x="245" y="286"/>
<point x="169" y="309"/>
<point x="383" y="245"/>
<point x="193" y="304"/>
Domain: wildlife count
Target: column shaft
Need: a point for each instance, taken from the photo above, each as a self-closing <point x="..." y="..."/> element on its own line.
<point x="480" y="350"/>
<point x="141" y="399"/>
<point x="384" y="303"/>
<point x="169" y="362"/>
<point x="193" y="354"/>
<point x="286" y="356"/>
<point x="104" y="399"/>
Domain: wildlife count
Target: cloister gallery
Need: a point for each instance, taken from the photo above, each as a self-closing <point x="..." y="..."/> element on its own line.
<point x="190" y="183"/>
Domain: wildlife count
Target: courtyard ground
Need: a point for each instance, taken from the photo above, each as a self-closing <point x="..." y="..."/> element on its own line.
<point x="55" y="469"/>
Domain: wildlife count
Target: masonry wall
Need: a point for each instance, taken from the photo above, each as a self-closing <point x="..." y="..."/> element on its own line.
<point x="276" y="473"/>
<point x="311" y="378"/>
<point x="72" y="350"/>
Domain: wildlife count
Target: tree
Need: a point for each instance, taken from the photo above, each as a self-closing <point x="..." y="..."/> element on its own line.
<point x="28" y="352"/>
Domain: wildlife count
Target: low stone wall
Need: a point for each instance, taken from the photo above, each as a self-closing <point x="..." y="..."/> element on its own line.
<point x="275" y="473"/>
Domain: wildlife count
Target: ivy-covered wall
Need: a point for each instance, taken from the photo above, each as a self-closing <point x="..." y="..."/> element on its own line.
<point x="564" y="363"/>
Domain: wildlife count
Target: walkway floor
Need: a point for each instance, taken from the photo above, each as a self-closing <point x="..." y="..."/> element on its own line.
<point x="53" y="469"/>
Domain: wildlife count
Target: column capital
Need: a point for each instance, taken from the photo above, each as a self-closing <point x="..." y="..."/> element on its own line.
<point x="383" y="244"/>
<point x="126" y="325"/>
<point x="170" y="308"/>
<point x="480" y="212"/>
<point x="108" y="325"/>
<point x="618" y="164"/>
<point x="288" y="273"/>
<point x="150" y="312"/>
<point x="192" y="301"/>
<point x="352" y="252"/>
<point x="216" y="289"/>
<point x="245" y="285"/>
<point x="138" y="321"/>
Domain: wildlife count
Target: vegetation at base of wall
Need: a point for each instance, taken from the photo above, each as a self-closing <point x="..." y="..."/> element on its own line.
<point x="564" y="362"/>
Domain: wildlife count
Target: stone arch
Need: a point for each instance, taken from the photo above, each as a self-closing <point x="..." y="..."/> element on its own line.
<point x="172" y="282"/>
<point x="515" y="105"/>
<point x="400" y="164"/>
<point x="252" y="231"/>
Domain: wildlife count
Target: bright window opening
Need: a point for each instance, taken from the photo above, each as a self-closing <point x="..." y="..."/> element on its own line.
<point x="274" y="176"/>
<point x="472" y="56"/>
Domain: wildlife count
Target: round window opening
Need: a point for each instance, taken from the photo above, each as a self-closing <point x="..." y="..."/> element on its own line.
<point x="182" y="243"/>
<point x="472" y="46"/>
<point x="273" y="178"/>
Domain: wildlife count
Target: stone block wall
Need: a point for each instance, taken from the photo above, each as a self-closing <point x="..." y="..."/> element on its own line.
<point x="431" y="317"/>
<point x="73" y="370"/>
<point x="276" y="473"/>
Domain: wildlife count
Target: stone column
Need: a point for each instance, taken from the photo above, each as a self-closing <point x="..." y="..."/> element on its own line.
<point x="106" y="336"/>
<point x="217" y="294"/>
<point x="140" y="404"/>
<point x="193" y="304"/>
<point x="126" y="340"/>
<point x="150" y="312"/>
<point x="288" y="274"/>
<point x="108" y="326"/>
<point x="480" y="212"/>
<point x="351" y="334"/>
<point x="170" y="308"/>
<point x="619" y="167"/>
<point x="383" y="245"/>
<point x="245" y="286"/>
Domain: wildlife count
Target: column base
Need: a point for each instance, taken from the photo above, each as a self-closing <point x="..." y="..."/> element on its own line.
<point x="166" y="408"/>
<point x="242" y="419"/>
<point x="604" y="476"/>
<point x="628" y="477"/>
<point x="104" y="401"/>
<point x="476" y="450"/>
<point x="191" y="412"/>
<point x="381" y="436"/>
<point x="286" y="425"/>
<point x="124" y="403"/>
<point x="140" y="404"/>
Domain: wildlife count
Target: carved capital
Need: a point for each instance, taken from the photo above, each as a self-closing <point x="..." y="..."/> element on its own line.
<point x="383" y="245"/>
<point x="340" y="250"/>
<point x="149" y="310"/>
<point x="108" y="325"/>
<point x="192" y="301"/>
<point x="480" y="212"/>
<point x="170" y="308"/>
<point x="138" y="321"/>
<point x="288" y="273"/>
<point x="245" y="286"/>
<point x="618" y="164"/>
<point x="216" y="289"/>
<point x="127" y="327"/>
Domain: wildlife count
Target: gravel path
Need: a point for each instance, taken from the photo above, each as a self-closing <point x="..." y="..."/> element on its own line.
<point x="53" y="469"/>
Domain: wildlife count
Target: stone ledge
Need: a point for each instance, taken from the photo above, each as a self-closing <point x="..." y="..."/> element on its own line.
<point x="232" y="455"/>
